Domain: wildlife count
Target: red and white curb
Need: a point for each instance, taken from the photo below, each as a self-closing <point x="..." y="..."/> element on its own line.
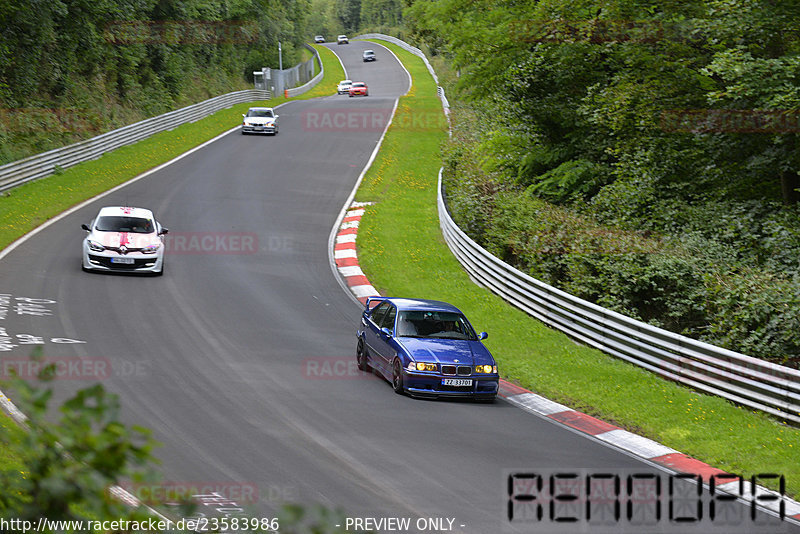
<point x="344" y="254"/>
<point x="346" y="258"/>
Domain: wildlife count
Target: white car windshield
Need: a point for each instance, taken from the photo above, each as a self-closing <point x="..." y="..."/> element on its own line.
<point x="435" y="324"/>
<point x="260" y="113"/>
<point x="136" y="225"/>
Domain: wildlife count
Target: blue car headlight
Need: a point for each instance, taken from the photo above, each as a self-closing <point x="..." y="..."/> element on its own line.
<point x="422" y="366"/>
<point x="486" y="369"/>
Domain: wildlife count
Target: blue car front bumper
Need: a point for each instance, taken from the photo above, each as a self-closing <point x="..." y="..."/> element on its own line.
<point x="432" y="385"/>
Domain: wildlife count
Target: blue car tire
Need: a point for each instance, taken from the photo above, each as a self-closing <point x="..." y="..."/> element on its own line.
<point x="397" y="377"/>
<point x="361" y="356"/>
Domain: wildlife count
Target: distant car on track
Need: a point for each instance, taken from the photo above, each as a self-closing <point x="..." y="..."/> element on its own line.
<point x="344" y="87"/>
<point x="425" y="348"/>
<point x="358" y="89"/>
<point x="368" y="55"/>
<point x="342" y="39"/>
<point x="260" y="120"/>
<point x="319" y="39"/>
<point x="124" y="239"/>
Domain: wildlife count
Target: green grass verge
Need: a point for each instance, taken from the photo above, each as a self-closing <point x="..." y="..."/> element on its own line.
<point x="24" y="208"/>
<point x="9" y="431"/>
<point x="401" y="249"/>
<point x="333" y="74"/>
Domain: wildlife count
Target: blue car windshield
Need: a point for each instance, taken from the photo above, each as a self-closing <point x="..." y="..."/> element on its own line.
<point x="434" y="324"/>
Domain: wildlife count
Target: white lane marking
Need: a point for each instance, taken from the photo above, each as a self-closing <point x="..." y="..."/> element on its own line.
<point x="21" y="240"/>
<point x="340" y="63"/>
<point x="772" y="503"/>
<point x="332" y="238"/>
<point x="410" y="79"/>
<point x="638" y="445"/>
<point x="537" y="404"/>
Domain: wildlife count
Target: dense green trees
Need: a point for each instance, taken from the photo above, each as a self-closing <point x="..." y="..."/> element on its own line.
<point x="677" y="120"/>
<point x="76" y="67"/>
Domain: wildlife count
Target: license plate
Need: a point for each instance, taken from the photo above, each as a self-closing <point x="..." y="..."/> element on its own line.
<point x="126" y="261"/>
<point x="457" y="382"/>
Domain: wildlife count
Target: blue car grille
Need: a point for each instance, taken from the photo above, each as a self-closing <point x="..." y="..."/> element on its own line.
<point x="463" y="370"/>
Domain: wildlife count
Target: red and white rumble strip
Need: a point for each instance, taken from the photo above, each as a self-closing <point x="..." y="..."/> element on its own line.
<point x="344" y="254"/>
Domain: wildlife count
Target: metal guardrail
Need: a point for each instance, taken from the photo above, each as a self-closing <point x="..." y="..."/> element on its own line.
<point x="294" y="91"/>
<point x="44" y="164"/>
<point x="742" y="379"/>
<point x="417" y="52"/>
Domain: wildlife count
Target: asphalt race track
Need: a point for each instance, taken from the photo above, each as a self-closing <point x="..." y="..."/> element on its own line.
<point x="237" y="358"/>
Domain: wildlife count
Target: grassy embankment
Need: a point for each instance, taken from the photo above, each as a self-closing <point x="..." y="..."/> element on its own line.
<point x="401" y="250"/>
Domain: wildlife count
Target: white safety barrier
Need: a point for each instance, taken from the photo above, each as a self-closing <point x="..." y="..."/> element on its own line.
<point x="294" y="91"/>
<point x="417" y="52"/>
<point x="742" y="379"/>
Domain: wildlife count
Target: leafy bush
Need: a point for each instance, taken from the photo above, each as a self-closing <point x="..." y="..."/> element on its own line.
<point x="758" y="311"/>
<point x="724" y="271"/>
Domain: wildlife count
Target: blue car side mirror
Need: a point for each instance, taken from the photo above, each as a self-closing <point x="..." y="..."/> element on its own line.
<point x="385" y="331"/>
<point x="483" y="335"/>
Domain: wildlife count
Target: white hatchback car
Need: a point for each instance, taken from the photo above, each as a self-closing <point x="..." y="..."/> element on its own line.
<point x="260" y="120"/>
<point x="344" y="87"/>
<point x="124" y="239"/>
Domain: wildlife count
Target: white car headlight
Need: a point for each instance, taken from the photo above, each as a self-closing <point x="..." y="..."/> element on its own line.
<point x="151" y="249"/>
<point x="97" y="247"/>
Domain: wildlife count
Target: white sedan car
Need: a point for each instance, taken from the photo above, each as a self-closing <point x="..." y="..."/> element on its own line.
<point x="125" y="240"/>
<point x="344" y="87"/>
<point x="260" y="120"/>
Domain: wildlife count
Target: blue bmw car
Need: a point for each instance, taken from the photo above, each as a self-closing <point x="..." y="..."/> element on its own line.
<point x="425" y="348"/>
